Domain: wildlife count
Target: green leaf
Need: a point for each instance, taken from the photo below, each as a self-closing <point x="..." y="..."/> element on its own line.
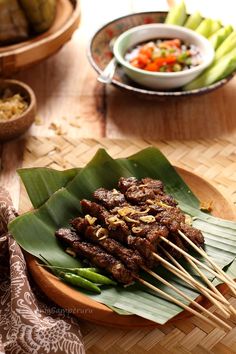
<point x="34" y="231"/>
<point x="42" y="182"/>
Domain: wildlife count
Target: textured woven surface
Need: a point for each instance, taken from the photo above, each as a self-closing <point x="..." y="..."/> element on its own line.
<point x="213" y="160"/>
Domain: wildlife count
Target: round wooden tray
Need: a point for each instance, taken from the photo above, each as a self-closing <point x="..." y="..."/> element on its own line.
<point x="24" y="54"/>
<point x="88" y="309"/>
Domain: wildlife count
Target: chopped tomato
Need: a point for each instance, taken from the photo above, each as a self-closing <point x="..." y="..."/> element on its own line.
<point x="147" y="49"/>
<point x="135" y="63"/>
<point x="164" y="55"/>
<point x="143" y="59"/>
<point x="165" y="60"/>
<point x="152" y="67"/>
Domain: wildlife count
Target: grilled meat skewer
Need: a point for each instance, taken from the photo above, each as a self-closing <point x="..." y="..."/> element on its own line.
<point x="127" y="226"/>
<point x="138" y="192"/>
<point x="119" y="231"/>
<point x="145" y="237"/>
<point x="95" y="234"/>
<point x="96" y="255"/>
<point x="149" y="192"/>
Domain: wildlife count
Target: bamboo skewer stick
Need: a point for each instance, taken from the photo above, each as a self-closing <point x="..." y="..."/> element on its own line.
<point x="219" y="276"/>
<point x="207" y="281"/>
<point x="211" y="262"/>
<point x="183" y="276"/>
<point x="190" y="258"/>
<point x="179" y="303"/>
<point x="198" y="285"/>
<point x="224" y="310"/>
<point x="181" y="293"/>
<point x="189" y="279"/>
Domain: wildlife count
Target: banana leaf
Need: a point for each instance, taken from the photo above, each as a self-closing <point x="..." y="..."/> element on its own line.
<point x="41" y="182"/>
<point x="34" y="231"/>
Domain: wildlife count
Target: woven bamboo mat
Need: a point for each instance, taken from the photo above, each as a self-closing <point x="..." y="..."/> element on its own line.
<point x="214" y="160"/>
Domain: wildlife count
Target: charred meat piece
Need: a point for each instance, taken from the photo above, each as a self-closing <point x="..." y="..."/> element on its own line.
<point x="138" y="192"/>
<point x="79" y="224"/>
<point x="171" y="218"/>
<point x="96" y="255"/>
<point x="67" y="236"/>
<point x="126" y="182"/>
<point x="109" y="199"/>
<point x="94" y="209"/>
<point x="193" y="234"/>
<point x="131" y="259"/>
<point x="155" y="184"/>
<point x="166" y="199"/>
<point x="158" y="188"/>
<point x="104" y="217"/>
<point x="144" y="247"/>
<point x="96" y="234"/>
<point x="120" y="231"/>
<point x="174" y="220"/>
<point x="151" y="232"/>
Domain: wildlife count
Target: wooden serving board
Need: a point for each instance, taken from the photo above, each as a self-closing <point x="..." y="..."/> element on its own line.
<point x="189" y="335"/>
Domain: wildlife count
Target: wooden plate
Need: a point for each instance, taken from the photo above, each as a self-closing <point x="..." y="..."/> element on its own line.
<point x="24" y="54"/>
<point x="99" y="54"/>
<point x="84" y="307"/>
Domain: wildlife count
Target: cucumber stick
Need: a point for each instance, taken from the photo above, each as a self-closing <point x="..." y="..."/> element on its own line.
<point x="193" y="20"/>
<point x="205" y="27"/>
<point x="177" y="14"/>
<point x="217" y="71"/>
<point x="218" y="37"/>
<point x="216" y="25"/>
<point x="228" y="44"/>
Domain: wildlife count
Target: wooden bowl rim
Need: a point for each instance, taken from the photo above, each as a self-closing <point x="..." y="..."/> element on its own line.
<point x="52" y="36"/>
<point x="142" y="90"/>
<point x="131" y="321"/>
<point x="32" y="98"/>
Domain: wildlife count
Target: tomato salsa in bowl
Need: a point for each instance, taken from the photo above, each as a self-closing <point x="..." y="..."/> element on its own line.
<point x="163" y="56"/>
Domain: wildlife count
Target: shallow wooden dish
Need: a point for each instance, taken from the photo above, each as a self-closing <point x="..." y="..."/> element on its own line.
<point x="99" y="54"/>
<point x="15" y="127"/>
<point x="24" y="54"/>
<point x="84" y="307"/>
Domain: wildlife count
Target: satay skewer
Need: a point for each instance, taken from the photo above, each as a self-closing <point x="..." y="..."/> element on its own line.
<point x="100" y="257"/>
<point x="219" y="276"/>
<point x="228" y="280"/>
<point x="198" y="285"/>
<point x="181" y="275"/>
<point x="179" y="303"/>
<point x="113" y="246"/>
<point x="193" y="302"/>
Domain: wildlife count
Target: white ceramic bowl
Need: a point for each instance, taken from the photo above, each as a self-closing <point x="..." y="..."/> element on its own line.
<point x="160" y="80"/>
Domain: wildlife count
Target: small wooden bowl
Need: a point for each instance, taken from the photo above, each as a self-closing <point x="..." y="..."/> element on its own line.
<point x="15" y="127"/>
